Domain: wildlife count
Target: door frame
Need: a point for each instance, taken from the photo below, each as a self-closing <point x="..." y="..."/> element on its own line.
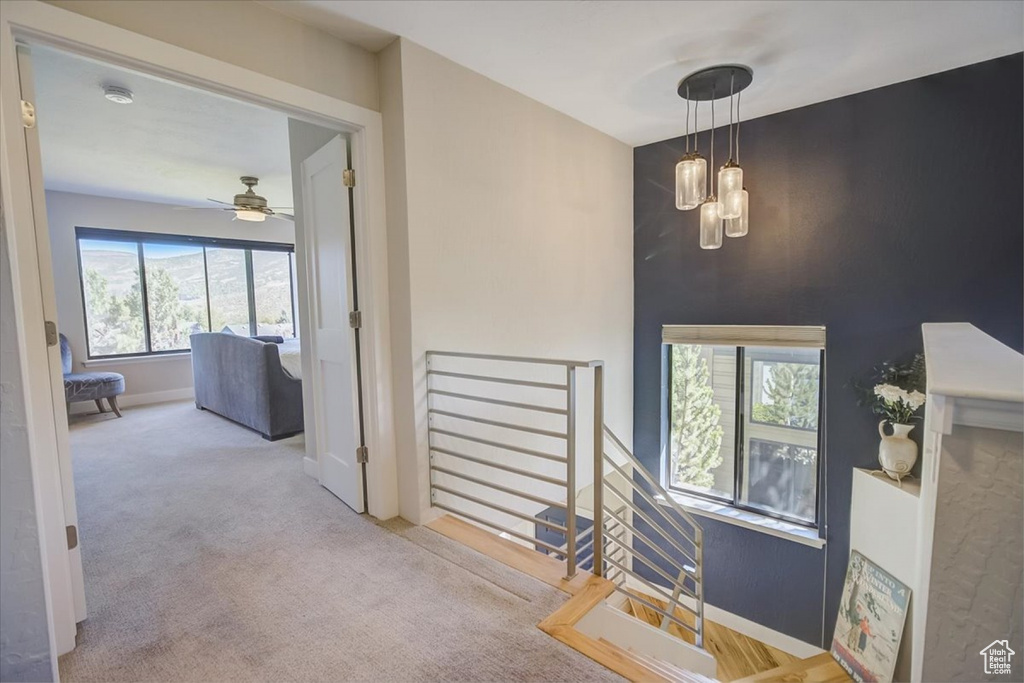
<point x="39" y="23"/>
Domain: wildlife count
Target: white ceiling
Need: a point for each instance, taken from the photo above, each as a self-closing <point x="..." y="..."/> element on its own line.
<point x="615" y="65"/>
<point x="173" y="145"/>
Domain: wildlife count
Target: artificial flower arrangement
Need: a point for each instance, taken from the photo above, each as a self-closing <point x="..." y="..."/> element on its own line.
<point x="896" y="404"/>
<point x="896" y="396"/>
<point x="896" y="390"/>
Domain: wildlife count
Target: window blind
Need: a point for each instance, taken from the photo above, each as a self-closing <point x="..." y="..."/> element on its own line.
<point x="805" y="336"/>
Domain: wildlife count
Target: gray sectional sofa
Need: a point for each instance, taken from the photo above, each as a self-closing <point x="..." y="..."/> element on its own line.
<point x="241" y="378"/>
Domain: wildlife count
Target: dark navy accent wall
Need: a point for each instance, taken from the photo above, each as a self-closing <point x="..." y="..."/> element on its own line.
<point x="870" y="214"/>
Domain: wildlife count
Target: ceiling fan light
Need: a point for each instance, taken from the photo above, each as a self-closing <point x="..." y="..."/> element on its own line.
<point x="250" y="215"/>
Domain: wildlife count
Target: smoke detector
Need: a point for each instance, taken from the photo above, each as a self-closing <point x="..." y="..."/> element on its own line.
<point x="118" y="95"/>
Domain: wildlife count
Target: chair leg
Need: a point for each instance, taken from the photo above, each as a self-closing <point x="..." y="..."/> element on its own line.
<point x="112" y="400"/>
<point x="99" y="404"/>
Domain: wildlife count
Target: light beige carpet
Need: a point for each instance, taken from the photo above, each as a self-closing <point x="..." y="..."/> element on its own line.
<point x="210" y="556"/>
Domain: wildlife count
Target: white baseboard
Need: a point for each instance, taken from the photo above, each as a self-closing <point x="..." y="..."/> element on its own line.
<point x="751" y="629"/>
<point x="311" y="467"/>
<point x="129" y="400"/>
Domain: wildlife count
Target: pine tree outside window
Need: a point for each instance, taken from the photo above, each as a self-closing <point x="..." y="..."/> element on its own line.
<point x="743" y="426"/>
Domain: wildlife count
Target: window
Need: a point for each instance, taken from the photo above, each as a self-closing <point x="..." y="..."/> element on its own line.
<point x="743" y="418"/>
<point x="146" y="293"/>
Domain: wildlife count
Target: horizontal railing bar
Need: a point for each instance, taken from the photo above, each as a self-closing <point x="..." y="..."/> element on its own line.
<point x="498" y="380"/>
<point x="579" y="537"/>
<point x="674" y="581"/>
<point x="501" y="508"/>
<point x="583" y="548"/>
<point x="496" y="423"/>
<point x="498" y="465"/>
<point x="643" y="473"/>
<point x="498" y="402"/>
<point x="499" y="487"/>
<point x="692" y="537"/>
<point x="480" y="520"/>
<point x="519" y="359"/>
<point x="676" y="619"/>
<point x="656" y="527"/>
<point x="654" y="588"/>
<point x="497" y="444"/>
<point x="656" y="548"/>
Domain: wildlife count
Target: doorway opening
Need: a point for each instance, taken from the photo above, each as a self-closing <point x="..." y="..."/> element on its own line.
<point x="195" y="252"/>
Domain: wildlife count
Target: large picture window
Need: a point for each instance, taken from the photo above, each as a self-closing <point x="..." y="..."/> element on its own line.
<point x="146" y="293"/>
<point x="743" y="426"/>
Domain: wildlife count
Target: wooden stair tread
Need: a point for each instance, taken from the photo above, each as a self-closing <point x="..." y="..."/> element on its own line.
<point x="738" y="656"/>
<point x="821" y="668"/>
<point x="527" y="560"/>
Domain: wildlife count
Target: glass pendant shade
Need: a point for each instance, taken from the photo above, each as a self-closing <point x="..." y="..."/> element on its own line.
<point x="686" y="171"/>
<point x="737" y="227"/>
<point x="730" y="182"/>
<point x="710" y="224"/>
<point x="699" y="191"/>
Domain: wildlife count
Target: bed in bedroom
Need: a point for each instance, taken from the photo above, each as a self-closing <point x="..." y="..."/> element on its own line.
<point x="253" y="381"/>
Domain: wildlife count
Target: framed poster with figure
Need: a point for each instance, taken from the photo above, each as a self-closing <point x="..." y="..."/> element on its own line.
<point x="872" y="613"/>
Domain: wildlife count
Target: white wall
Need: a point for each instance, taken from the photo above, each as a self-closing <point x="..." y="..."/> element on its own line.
<point x="250" y="35"/>
<point x="145" y="378"/>
<point x="516" y="225"/>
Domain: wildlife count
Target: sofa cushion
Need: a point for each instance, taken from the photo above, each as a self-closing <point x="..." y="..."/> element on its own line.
<point x="89" y="386"/>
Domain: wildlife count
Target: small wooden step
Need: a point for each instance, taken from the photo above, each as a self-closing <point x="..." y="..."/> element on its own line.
<point x="669" y="671"/>
<point x="817" y="669"/>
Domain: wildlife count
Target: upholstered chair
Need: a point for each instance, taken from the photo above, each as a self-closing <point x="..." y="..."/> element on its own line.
<point x="89" y="386"/>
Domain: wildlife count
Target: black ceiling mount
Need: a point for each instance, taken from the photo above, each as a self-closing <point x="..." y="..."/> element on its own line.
<point x="714" y="82"/>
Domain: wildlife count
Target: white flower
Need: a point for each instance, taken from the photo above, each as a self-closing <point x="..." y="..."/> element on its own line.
<point x="889" y="393"/>
<point x="915" y="400"/>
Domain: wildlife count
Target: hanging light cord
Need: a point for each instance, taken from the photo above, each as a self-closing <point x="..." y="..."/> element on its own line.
<point x="739" y="96"/>
<point x="732" y="82"/>
<point x="696" y="110"/>
<point x="711" y="173"/>
<point x="687" y="119"/>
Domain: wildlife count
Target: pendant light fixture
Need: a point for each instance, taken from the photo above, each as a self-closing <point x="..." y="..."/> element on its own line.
<point x="722" y="208"/>
<point x="691" y="171"/>
<point x="737" y="226"/>
<point x="711" y="209"/>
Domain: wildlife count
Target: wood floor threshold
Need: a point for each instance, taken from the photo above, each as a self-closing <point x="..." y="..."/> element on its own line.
<point x="817" y="669"/>
<point x="587" y="592"/>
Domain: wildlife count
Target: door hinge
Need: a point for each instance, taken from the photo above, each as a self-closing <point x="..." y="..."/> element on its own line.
<point x="28" y="114"/>
<point x="72" y="532"/>
<point x="362" y="454"/>
<point x="355" y="319"/>
<point x="348" y="176"/>
<point x="51" y="333"/>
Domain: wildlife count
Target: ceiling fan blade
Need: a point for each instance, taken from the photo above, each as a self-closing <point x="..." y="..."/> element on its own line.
<point x="281" y="208"/>
<point x="282" y="216"/>
<point x="217" y="201"/>
<point x="200" y="208"/>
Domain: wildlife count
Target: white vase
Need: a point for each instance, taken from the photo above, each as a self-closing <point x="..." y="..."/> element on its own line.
<point x="897" y="453"/>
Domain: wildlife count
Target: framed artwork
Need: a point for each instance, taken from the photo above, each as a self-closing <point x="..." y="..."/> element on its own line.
<point x="872" y="613"/>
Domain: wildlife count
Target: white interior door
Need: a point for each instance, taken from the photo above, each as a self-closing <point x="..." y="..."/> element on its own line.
<point x="66" y="617"/>
<point x="327" y="233"/>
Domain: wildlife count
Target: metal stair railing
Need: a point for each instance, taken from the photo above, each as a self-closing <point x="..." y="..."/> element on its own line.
<point x="661" y="552"/>
<point x="471" y="472"/>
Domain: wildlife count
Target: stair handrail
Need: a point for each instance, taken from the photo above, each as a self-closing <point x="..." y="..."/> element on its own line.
<point x="656" y="497"/>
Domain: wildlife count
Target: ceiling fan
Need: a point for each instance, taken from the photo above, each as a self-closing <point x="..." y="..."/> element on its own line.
<point x="249" y="206"/>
